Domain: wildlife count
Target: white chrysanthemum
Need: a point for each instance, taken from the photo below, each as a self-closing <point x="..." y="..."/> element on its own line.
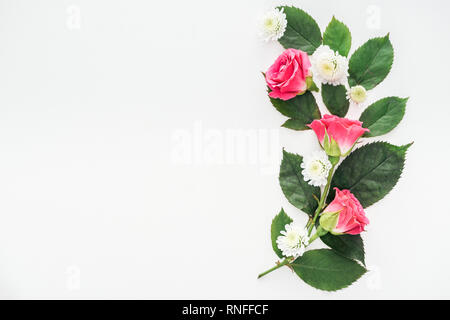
<point x="293" y="241"/>
<point x="329" y="67"/>
<point x="273" y="25"/>
<point x="357" y="95"/>
<point x="316" y="168"/>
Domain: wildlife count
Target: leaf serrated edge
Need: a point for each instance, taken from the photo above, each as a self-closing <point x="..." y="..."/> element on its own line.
<point x="271" y="225"/>
<point x="363" y="262"/>
<point x="367" y="134"/>
<point x="390" y="65"/>
<point x="329" y="290"/>
<point x="333" y="19"/>
<point x="354" y="281"/>
<point x="403" y="148"/>
<point x="298" y="178"/>
<point x="304" y="128"/>
<point x="363" y="250"/>
<point x="311" y="18"/>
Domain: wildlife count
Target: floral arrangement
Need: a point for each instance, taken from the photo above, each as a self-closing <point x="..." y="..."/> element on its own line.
<point x="335" y="185"/>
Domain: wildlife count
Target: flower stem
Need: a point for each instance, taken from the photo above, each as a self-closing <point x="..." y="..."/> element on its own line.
<point x="322" y="198"/>
<point x="311" y="222"/>
<point x="279" y="265"/>
<point x="314" y="237"/>
<point x="319" y="232"/>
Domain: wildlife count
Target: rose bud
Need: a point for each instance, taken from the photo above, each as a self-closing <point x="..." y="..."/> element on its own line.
<point x="337" y="135"/>
<point x="290" y="75"/>
<point x="344" y="214"/>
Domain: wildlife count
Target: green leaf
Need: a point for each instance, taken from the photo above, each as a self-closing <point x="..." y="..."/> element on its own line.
<point x="298" y="192"/>
<point x="326" y="270"/>
<point x="337" y="36"/>
<point x="335" y="98"/>
<point x="294" y="124"/>
<point x="301" y="110"/>
<point x="347" y="245"/>
<point x="371" y="63"/>
<point x="383" y="115"/>
<point x="370" y="172"/>
<point x="302" y="31"/>
<point x="278" y="225"/>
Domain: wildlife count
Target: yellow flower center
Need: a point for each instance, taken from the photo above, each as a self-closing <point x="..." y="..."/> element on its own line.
<point x="327" y="67"/>
<point x="268" y="23"/>
<point x="316" y="168"/>
<point x="292" y="238"/>
<point x="358" y="94"/>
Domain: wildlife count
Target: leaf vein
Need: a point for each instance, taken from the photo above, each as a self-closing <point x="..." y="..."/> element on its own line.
<point x="300" y="179"/>
<point x="302" y="36"/>
<point x="365" y="175"/>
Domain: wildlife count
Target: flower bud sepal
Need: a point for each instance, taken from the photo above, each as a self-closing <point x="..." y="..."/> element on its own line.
<point x="330" y="146"/>
<point x="310" y="85"/>
<point x="329" y="220"/>
<point x="334" y="160"/>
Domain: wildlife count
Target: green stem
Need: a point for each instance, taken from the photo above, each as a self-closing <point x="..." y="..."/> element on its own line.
<point x="311" y="222"/>
<point x="314" y="237"/>
<point x="281" y="264"/>
<point x="322" y="198"/>
<point x="319" y="232"/>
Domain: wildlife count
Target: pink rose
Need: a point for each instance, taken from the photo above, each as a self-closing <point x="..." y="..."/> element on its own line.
<point x="344" y="214"/>
<point x="341" y="133"/>
<point x="287" y="76"/>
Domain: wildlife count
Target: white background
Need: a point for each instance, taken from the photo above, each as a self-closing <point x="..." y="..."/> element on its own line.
<point x="98" y="100"/>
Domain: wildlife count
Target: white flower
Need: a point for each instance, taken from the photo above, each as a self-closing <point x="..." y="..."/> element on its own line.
<point x="273" y="25"/>
<point x="316" y="168"/>
<point x="357" y="95"/>
<point x="329" y="67"/>
<point x="293" y="241"/>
